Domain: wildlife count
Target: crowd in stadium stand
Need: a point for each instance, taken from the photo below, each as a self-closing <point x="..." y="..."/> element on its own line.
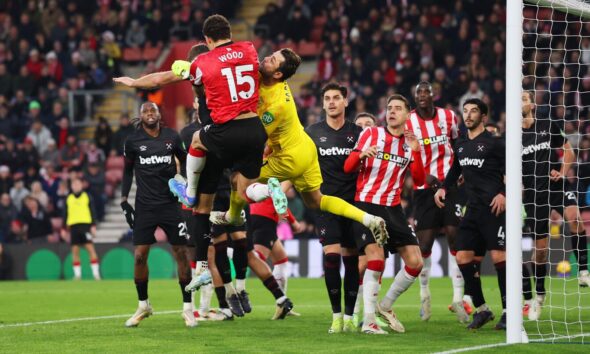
<point x="377" y="47"/>
<point x="380" y="47"/>
<point x="48" y="48"/>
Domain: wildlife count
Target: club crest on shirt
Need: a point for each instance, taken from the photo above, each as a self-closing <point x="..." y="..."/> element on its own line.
<point x="168" y="145"/>
<point x="267" y="118"/>
<point x="480" y="147"/>
<point x="350" y="139"/>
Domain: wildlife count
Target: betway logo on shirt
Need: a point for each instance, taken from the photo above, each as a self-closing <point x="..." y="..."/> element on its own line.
<point x="153" y="160"/>
<point x="335" y="151"/>
<point x="399" y="160"/>
<point x="466" y="161"/>
<point x="437" y="139"/>
<point x="536" y="147"/>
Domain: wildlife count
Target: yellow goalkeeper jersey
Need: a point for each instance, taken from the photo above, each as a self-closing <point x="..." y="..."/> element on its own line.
<point x="276" y="109"/>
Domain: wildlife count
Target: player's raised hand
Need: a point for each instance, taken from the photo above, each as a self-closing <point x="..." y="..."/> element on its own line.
<point x="439" y="197"/>
<point x="498" y="204"/>
<point x="125" y="80"/>
<point x="181" y="68"/>
<point x="555" y="175"/>
<point x="369" y="152"/>
<point x="411" y="140"/>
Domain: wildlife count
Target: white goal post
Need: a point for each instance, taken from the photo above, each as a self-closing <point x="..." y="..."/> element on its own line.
<point x="574" y="12"/>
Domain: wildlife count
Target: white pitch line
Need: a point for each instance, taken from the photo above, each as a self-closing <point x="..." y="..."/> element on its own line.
<point x="477" y="347"/>
<point x="79" y="319"/>
<point x="26" y="324"/>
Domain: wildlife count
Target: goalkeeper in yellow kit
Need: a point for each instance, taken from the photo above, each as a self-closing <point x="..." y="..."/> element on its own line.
<point x="292" y="154"/>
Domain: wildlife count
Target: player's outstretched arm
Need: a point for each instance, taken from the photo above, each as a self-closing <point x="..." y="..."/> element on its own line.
<point x="153" y="80"/>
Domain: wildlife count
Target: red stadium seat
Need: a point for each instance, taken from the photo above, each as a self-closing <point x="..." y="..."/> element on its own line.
<point x="115" y="163"/>
<point x="132" y="54"/>
<point x="114" y="176"/>
<point x="151" y="53"/>
<point x="316" y="35"/>
<point x="319" y="21"/>
<point x="308" y="49"/>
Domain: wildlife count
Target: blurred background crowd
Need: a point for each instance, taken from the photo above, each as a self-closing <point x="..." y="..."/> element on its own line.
<point x="49" y="48"/>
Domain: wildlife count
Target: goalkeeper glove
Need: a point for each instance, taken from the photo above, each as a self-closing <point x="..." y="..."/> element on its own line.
<point x="129" y="213"/>
<point x="181" y="68"/>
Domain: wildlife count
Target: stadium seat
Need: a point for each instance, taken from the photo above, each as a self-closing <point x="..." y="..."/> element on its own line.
<point x="308" y="49"/>
<point x="316" y="35"/>
<point x="113" y="176"/>
<point x="319" y="21"/>
<point x="115" y="163"/>
<point x="150" y="53"/>
<point x="257" y="42"/>
<point x="132" y="55"/>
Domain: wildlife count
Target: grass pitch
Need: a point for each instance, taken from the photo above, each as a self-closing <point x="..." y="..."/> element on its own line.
<point x="87" y="316"/>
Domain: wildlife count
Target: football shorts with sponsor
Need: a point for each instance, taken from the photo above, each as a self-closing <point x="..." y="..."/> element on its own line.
<point x="298" y="164"/>
<point x="400" y="232"/>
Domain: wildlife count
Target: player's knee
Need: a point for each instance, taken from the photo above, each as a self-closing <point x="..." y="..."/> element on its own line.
<point x="498" y="257"/>
<point x="140" y="259"/>
<point x="464" y="257"/>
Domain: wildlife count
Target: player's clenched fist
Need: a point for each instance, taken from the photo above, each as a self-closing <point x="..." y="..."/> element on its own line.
<point x="369" y="152"/>
<point x="411" y="140"/>
<point x="439" y="198"/>
<point x="181" y="68"/>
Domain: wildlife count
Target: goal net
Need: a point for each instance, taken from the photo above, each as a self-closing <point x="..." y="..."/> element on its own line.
<point x="556" y="61"/>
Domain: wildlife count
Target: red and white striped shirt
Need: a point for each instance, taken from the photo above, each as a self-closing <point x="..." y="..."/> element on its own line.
<point x="381" y="178"/>
<point x="435" y="137"/>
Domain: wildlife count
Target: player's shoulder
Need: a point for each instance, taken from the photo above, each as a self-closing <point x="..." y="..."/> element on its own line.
<point x="353" y="127"/>
<point x="168" y="133"/>
<point x="316" y="127"/>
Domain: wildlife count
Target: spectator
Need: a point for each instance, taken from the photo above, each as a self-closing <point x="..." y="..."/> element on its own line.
<point x="125" y="128"/>
<point x="297" y="26"/>
<point x="50" y="181"/>
<point x="155" y="33"/>
<point x="270" y="23"/>
<point x="135" y="36"/>
<point x="6" y="182"/>
<point x="18" y="192"/>
<point x="103" y="136"/>
<point x="34" y="64"/>
<point x="24" y="82"/>
<point x="96" y="181"/>
<point x="5" y="80"/>
<point x="40" y="136"/>
<point x="111" y="52"/>
<point x="62" y="132"/>
<point x="55" y="69"/>
<point x="51" y="154"/>
<point x="38" y="193"/>
<point x="28" y="155"/>
<point x="8" y="213"/>
<point x="327" y="66"/>
<point x="35" y="221"/>
<point x="87" y="54"/>
<point x="50" y="16"/>
<point x="473" y="92"/>
<point x="70" y="155"/>
<point x="94" y="155"/>
<point x="7" y="121"/>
